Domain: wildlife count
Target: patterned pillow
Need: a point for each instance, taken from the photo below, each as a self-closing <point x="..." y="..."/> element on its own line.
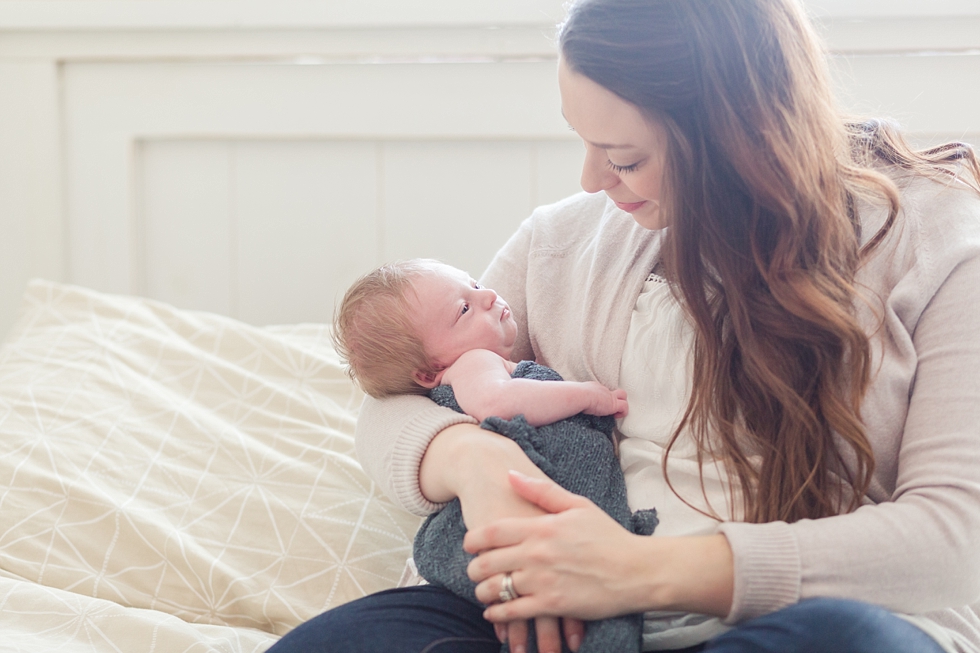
<point x="185" y="463"/>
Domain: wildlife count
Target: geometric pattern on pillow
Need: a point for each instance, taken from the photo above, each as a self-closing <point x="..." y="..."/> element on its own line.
<point x="185" y="463"/>
<point x="38" y="619"/>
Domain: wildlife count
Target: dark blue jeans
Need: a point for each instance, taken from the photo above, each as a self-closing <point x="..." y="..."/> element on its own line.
<point x="428" y="619"/>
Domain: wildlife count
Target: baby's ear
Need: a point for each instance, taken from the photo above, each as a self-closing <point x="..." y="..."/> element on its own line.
<point x="427" y="378"/>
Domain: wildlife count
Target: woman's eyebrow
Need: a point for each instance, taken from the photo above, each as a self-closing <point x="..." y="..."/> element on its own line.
<point x="609" y="146"/>
<point x="601" y="146"/>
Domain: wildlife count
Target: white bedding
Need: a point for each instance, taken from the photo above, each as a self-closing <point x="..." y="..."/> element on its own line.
<point x="177" y="481"/>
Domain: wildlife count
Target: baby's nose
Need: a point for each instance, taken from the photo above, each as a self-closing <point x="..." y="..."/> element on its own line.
<point x="491" y="296"/>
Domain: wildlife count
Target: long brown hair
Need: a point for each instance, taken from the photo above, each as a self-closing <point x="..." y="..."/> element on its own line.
<point x="762" y="179"/>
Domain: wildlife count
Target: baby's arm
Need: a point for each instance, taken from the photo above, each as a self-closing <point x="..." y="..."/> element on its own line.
<point x="483" y="387"/>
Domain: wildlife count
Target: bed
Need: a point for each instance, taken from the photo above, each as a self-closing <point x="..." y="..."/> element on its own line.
<point x="178" y="481"/>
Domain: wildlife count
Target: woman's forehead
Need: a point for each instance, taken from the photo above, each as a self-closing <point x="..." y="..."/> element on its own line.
<point x="599" y="116"/>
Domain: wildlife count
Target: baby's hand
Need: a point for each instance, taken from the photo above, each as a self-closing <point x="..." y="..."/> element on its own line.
<point x="606" y="401"/>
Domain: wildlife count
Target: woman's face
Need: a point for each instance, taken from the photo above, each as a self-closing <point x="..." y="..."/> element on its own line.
<point x="624" y="150"/>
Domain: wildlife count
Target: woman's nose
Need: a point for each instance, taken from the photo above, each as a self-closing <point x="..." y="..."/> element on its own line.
<point x="596" y="176"/>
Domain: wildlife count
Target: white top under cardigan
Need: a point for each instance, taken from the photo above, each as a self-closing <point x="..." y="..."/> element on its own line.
<point x="572" y="275"/>
<point x="656" y="372"/>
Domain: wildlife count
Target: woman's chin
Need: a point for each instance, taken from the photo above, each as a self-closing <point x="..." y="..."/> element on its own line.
<point x="649" y="217"/>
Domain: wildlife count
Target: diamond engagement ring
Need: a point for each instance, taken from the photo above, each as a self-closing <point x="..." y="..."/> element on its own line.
<point x="507" y="591"/>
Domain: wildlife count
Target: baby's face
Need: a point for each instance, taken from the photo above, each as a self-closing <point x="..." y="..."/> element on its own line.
<point x="454" y="314"/>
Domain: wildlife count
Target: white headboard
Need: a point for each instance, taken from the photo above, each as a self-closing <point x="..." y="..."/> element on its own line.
<point x="252" y="158"/>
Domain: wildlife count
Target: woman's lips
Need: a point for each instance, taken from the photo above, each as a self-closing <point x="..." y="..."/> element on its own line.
<point x="630" y="207"/>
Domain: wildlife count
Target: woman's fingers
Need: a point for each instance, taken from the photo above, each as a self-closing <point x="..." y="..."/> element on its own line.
<point x="574" y="630"/>
<point x="500" y="630"/>
<point x="489" y="591"/>
<point x="516" y="610"/>
<point x="546" y="629"/>
<point x="500" y="534"/>
<point x="545" y="493"/>
<point x="549" y="636"/>
<point x="517" y="635"/>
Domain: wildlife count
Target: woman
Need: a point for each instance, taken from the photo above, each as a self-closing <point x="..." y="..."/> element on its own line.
<point x="790" y="302"/>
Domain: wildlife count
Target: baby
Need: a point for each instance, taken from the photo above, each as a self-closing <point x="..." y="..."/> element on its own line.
<point x="423" y="327"/>
<point x="412" y="326"/>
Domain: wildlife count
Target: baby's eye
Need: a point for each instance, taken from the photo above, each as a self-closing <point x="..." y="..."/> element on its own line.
<point x="477" y="286"/>
<point x="466" y="307"/>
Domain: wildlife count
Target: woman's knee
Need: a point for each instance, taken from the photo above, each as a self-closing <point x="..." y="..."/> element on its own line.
<point x="825" y="625"/>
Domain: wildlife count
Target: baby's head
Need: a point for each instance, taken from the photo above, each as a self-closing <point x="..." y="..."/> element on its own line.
<point x="400" y="326"/>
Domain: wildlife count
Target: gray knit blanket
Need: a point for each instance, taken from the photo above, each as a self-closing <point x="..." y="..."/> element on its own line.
<point x="578" y="454"/>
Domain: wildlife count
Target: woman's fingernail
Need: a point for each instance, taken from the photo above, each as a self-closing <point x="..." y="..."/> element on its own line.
<point x="520" y="649"/>
<point x="501" y="633"/>
<point x="574" y="642"/>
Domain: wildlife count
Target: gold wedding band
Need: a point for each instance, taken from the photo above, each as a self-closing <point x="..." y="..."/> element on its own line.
<point x="507" y="591"/>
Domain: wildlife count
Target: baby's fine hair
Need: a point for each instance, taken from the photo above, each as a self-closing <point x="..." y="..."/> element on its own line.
<point x="374" y="334"/>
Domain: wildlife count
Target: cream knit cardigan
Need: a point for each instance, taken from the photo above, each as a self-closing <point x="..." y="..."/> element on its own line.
<point x="572" y="274"/>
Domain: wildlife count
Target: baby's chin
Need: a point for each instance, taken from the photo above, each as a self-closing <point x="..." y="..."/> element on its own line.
<point x="498" y="348"/>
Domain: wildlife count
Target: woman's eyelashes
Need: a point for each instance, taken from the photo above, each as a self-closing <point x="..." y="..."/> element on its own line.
<point x="619" y="170"/>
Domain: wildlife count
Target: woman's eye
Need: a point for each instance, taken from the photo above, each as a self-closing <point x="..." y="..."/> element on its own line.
<point x="622" y="169"/>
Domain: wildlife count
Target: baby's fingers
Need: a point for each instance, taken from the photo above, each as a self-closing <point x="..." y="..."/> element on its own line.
<point x="622" y="406"/>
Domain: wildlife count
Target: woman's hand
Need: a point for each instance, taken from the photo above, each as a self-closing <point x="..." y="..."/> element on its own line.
<point x="472" y="464"/>
<point x="469" y="463"/>
<point x="563" y="563"/>
<point x="578" y="562"/>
